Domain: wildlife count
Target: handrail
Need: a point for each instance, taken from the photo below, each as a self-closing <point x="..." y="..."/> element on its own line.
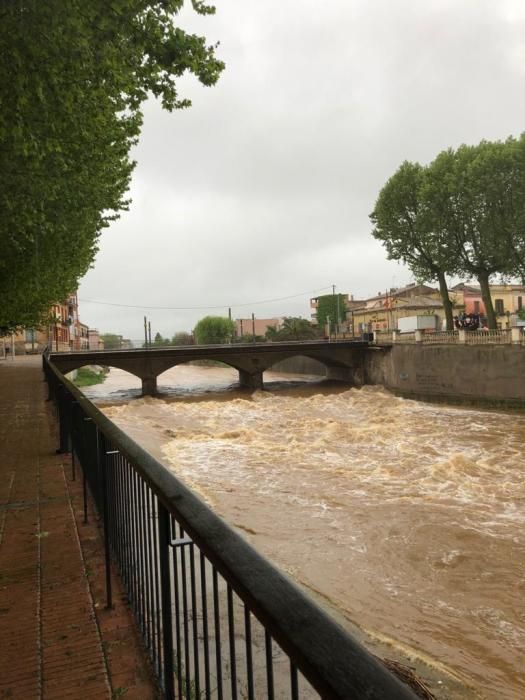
<point x="335" y="664"/>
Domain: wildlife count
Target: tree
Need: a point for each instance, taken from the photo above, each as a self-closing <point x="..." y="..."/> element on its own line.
<point x="463" y="214"/>
<point x="212" y="330"/>
<point x="331" y="306"/>
<point x="75" y="76"/>
<point x="413" y="231"/>
<point x="292" y="329"/>
<point x="182" y="338"/>
<point x="112" y="341"/>
<point x="479" y="192"/>
<point x="159" y="341"/>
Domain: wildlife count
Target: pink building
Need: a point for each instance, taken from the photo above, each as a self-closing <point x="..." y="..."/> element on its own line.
<point x="258" y="326"/>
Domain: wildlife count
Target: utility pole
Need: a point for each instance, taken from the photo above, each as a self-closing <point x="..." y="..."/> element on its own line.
<point x="336" y="310"/>
<point x="149" y="332"/>
<point x="145" y="332"/>
<point x="328" y="324"/>
<point x="253" y="327"/>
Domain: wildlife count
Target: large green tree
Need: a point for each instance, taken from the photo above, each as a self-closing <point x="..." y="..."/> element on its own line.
<point x="479" y="192"/>
<point x="413" y="231"/>
<point x="74" y="77"/>
<point x="212" y="330"/>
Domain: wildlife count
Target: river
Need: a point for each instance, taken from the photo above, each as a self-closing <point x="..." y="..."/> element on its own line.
<point x="407" y="517"/>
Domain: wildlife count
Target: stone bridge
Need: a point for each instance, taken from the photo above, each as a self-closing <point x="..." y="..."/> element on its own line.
<point x="343" y="359"/>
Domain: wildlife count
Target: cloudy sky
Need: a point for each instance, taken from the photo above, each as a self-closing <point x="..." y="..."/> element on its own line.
<point x="258" y="196"/>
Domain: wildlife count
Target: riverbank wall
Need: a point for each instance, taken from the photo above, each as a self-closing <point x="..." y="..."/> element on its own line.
<point x="490" y="375"/>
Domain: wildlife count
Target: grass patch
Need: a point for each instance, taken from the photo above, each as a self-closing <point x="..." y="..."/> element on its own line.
<point x="88" y="377"/>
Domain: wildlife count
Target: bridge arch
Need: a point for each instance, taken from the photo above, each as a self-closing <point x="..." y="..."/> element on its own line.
<point x="170" y="378"/>
<point x="72" y="366"/>
<point x="344" y="360"/>
<point x="299" y="364"/>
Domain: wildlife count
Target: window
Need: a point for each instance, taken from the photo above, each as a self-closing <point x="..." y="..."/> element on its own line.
<point x="520" y="303"/>
<point x="499" y="307"/>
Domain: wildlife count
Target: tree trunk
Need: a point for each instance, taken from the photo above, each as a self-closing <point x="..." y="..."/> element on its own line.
<point x="483" y="279"/>
<point x="447" y="304"/>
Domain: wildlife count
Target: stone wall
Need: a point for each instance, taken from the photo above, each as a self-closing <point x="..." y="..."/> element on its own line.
<point x="484" y="374"/>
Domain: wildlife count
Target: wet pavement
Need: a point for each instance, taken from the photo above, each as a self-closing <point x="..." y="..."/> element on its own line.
<point x="58" y="639"/>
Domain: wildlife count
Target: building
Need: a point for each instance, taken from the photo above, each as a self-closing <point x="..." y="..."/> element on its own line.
<point x="83" y="338"/>
<point x="257" y="326"/>
<point x="64" y="331"/>
<point x="508" y="301"/>
<point x="382" y="311"/>
<point x="95" y="341"/>
<point x="345" y="322"/>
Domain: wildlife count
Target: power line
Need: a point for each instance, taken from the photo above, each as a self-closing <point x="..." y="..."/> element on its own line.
<point x="194" y="308"/>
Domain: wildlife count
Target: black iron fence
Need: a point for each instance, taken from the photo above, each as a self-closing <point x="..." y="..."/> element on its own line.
<point x="217" y="619"/>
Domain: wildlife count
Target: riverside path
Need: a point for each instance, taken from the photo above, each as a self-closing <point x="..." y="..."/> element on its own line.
<point x="57" y="639"/>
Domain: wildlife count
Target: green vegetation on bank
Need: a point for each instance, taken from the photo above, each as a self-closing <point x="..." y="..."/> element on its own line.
<point x="74" y="77"/>
<point x="88" y="377"/>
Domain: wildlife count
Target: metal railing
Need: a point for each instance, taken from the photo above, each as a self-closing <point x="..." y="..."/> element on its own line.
<point x="217" y="619"/>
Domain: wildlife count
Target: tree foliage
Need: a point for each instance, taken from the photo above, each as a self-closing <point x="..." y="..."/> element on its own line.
<point x="74" y="77"/>
<point x="464" y="214"/>
<point x="292" y="329"/>
<point x="182" y="338"/>
<point x="413" y="232"/>
<point x="479" y="194"/>
<point x="112" y="341"/>
<point x="331" y="306"/>
<point x="212" y="330"/>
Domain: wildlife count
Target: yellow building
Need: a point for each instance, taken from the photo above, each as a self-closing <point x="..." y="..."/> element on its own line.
<point x="382" y="312"/>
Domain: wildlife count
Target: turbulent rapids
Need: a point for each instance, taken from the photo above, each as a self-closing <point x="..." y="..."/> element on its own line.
<point x="408" y="518"/>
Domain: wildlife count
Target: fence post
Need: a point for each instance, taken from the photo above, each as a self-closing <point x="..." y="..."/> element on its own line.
<point x="63" y="432"/>
<point x="515" y="335"/>
<point x="462" y="336"/>
<point x="418" y="336"/>
<point x="394" y="335"/>
<point x="165" y="587"/>
<point x="103" y="486"/>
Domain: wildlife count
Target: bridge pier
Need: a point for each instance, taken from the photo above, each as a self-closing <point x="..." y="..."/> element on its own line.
<point x="149" y="386"/>
<point x="252" y="381"/>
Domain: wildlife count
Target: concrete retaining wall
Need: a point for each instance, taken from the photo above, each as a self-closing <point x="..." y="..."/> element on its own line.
<point x="485" y="374"/>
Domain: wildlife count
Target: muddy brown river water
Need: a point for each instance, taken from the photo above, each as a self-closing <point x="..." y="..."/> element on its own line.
<point x="408" y="517"/>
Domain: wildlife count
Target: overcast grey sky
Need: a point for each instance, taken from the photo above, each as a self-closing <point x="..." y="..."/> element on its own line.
<point x="262" y="189"/>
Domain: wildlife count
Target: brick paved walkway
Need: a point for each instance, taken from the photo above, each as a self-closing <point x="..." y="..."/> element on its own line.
<point x="57" y="640"/>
